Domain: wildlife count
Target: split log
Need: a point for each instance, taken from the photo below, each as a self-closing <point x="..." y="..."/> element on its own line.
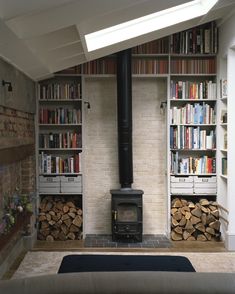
<point x="197" y="212"/>
<point x="177" y="215"/>
<point x="188" y="215"/>
<point x="50" y="238"/>
<point x="200" y="227"/>
<point x="176" y="203"/>
<point x="175" y="236"/>
<point x="204" y="202"/>
<point x="186" y="235"/>
<point x="195" y="220"/>
<point x="188" y="225"/>
<point x="65" y="208"/>
<point x="174" y="222"/>
<point x="211" y="231"/>
<point x="178" y="230"/>
<point x="215" y="225"/>
<point x="174" y="210"/>
<point x="182" y="222"/>
<point x="191" y="238"/>
<point x="201" y="238"/>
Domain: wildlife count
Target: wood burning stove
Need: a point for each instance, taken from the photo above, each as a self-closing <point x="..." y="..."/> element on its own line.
<point x="127" y="215"/>
<point x="126" y="202"/>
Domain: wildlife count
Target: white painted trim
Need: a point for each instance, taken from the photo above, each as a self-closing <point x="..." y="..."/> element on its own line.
<point x="230" y="241"/>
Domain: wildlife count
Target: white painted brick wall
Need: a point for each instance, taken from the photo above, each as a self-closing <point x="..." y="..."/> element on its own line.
<point x="100" y="156"/>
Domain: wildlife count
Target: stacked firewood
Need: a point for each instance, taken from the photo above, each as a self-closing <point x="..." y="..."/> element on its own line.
<point x="194" y="221"/>
<point x="59" y="219"/>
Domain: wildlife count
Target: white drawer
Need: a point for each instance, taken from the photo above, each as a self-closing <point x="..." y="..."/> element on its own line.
<point x="71" y="180"/>
<point x="49" y="189"/>
<point x="46" y="179"/>
<point x="200" y="190"/>
<point x="204" y="180"/>
<point x="181" y="190"/>
<point x="182" y="183"/>
<point x="49" y="184"/>
<point x="181" y="179"/>
<point x="205" y="183"/>
<point x="71" y="189"/>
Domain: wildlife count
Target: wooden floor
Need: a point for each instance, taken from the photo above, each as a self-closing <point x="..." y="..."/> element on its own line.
<point x="180" y="246"/>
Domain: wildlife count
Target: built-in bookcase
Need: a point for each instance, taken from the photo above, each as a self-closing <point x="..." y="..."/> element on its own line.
<point x="192" y="121"/>
<point x="59" y="135"/>
<point x="187" y="60"/>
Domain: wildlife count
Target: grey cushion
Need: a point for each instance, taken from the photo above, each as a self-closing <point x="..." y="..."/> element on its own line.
<point x="123" y="283"/>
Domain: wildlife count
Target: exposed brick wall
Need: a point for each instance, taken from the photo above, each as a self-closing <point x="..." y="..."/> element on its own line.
<point x="20" y="174"/>
<point x="16" y="124"/>
<point x="101" y="157"/>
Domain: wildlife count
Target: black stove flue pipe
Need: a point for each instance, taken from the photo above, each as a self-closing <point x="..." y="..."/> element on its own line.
<point x="124" y="112"/>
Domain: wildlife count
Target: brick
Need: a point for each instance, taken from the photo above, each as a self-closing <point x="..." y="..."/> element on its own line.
<point x="148" y="155"/>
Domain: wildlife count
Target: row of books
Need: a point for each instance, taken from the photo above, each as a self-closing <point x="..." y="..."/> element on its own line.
<point x="223" y="88"/>
<point x="58" y="91"/>
<point x="60" y="140"/>
<point x="193" y="66"/>
<point x="160" y="46"/>
<point x="182" y="137"/>
<point x="73" y="70"/>
<point x="150" y="66"/>
<point x="60" y="116"/>
<point x="49" y="164"/>
<point x="224" y="168"/>
<point x="100" y="66"/>
<point x="193" y="90"/>
<point x="198" y="40"/>
<point x="192" y="165"/>
<point x="198" y="113"/>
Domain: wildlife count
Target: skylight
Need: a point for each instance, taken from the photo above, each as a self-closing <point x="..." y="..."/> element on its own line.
<point x="147" y="24"/>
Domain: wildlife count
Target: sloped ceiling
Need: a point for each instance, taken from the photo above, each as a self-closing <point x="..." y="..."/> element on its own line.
<point x="41" y="37"/>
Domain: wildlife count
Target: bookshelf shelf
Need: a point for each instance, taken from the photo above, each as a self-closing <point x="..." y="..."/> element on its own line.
<point x="191" y="125"/>
<point x="225" y="177"/>
<point x="224" y="125"/>
<point x="224" y="99"/>
<point x="192" y="75"/>
<point x="59" y="100"/>
<point x="224" y="150"/>
<point x="193" y="150"/>
<point x="60" y="125"/>
<point x="96" y="76"/>
<point x="139" y="76"/>
<point x="192" y="174"/>
<point x="193" y="100"/>
<point x="180" y="55"/>
<point x="193" y="194"/>
<point x="59" y="174"/>
<point x="60" y="149"/>
<point x="149" y="55"/>
<point x="61" y="193"/>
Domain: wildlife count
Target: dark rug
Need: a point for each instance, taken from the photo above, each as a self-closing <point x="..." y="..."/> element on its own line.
<point x="106" y="263"/>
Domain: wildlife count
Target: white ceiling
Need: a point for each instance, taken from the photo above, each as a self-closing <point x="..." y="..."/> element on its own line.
<point x="44" y="36"/>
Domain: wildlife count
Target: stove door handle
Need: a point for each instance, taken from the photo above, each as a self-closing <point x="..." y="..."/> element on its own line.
<point x="115" y="214"/>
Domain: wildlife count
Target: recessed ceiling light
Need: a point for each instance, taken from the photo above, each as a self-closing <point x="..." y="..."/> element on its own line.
<point x="147" y="24"/>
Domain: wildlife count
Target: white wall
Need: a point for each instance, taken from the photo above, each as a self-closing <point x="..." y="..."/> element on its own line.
<point x="227" y="35"/>
<point x="227" y="45"/>
<point x="101" y="158"/>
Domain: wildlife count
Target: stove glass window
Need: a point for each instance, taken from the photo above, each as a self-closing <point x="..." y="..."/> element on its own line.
<point x="127" y="212"/>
